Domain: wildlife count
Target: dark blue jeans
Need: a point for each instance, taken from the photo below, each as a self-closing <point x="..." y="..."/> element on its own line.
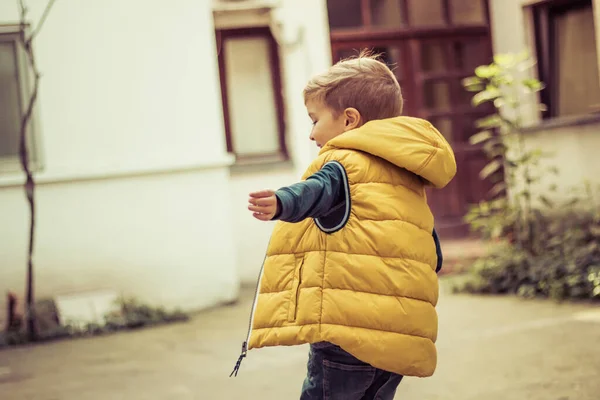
<point x="334" y="374"/>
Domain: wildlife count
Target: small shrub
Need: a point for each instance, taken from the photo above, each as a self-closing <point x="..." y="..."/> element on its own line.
<point x="133" y="315"/>
<point x="136" y="314"/>
<point x="565" y="265"/>
<point x="540" y="248"/>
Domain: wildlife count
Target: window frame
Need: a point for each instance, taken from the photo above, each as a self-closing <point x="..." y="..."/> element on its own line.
<point x="541" y="14"/>
<point x="12" y="164"/>
<point x="222" y="35"/>
<point x="368" y="30"/>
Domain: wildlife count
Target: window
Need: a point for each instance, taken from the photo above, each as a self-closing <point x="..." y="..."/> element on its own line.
<point x="567" y="54"/>
<point x="397" y="14"/>
<point x="467" y="12"/>
<point x="387" y="13"/>
<point x="14" y="91"/>
<point x="345" y="13"/>
<point x="426" y="12"/>
<point x="252" y="94"/>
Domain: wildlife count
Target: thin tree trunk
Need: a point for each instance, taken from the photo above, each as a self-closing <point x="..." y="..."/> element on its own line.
<point x="24" y="157"/>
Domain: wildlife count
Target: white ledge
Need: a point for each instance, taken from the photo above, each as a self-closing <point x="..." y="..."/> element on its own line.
<point x="115" y="172"/>
<point x="244" y="5"/>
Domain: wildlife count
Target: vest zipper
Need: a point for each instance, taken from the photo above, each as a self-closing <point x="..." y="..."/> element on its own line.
<point x="250" y="322"/>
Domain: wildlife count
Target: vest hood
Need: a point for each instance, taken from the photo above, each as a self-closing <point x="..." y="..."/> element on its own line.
<point x="410" y="143"/>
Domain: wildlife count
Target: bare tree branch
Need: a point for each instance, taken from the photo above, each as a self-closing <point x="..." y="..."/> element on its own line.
<point x="24" y="157"/>
<point x="43" y="18"/>
<point x="23" y="9"/>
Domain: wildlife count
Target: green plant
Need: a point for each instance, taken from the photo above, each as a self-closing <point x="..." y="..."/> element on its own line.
<point x="567" y="264"/>
<point x="136" y="314"/>
<point x="512" y="166"/>
<point x="539" y="248"/>
<point x="133" y="314"/>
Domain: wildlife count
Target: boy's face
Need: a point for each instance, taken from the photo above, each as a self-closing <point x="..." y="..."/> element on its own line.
<point x="326" y="125"/>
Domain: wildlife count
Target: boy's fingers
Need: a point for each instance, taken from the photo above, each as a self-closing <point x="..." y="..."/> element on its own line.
<point x="262" y="217"/>
<point x="262" y="193"/>
<point x="263" y="204"/>
<point x="264" y="201"/>
<point x="262" y="210"/>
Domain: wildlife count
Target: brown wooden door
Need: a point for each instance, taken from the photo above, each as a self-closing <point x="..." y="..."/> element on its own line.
<point x="430" y="51"/>
<point x="441" y="64"/>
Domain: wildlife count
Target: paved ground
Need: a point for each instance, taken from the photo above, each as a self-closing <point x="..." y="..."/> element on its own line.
<point x="489" y="348"/>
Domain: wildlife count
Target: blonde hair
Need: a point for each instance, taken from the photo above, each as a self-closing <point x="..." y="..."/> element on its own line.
<point x="361" y="82"/>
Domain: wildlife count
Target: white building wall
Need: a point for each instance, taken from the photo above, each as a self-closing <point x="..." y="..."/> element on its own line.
<point x="134" y="194"/>
<point x="574" y="147"/>
<point x="304" y="51"/>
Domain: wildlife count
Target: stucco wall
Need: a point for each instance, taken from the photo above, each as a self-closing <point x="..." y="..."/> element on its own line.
<point x="574" y="146"/>
<point x="134" y="194"/>
<point x="304" y="51"/>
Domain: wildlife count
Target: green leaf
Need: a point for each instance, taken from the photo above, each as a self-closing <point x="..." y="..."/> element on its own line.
<point x="492" y="167"/>
<point x="473" y="84"/>
<point x="486" y="95"/>
<point x="472" y="80"/>
<point x="487" y="71"/>
<point x="533" y="84"/>
<point x="503" y="80"/>
<point x="493" y="121"/>
<point x="480" y="137"/>
<point x="475" y="88"/>
<point x="494" y="148"/>
<point x="505" y="60"/>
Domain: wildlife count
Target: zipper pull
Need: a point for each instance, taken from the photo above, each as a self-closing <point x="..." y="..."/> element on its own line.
<point x="239" y="361"/>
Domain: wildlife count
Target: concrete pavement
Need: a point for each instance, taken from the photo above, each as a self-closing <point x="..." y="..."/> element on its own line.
<point x="489" y="348"/>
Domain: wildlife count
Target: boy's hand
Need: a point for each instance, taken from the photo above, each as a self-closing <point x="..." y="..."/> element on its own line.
<point x="263" y="204"/>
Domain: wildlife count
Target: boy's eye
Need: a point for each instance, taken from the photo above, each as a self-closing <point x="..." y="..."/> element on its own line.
<point x="314" y="123"/>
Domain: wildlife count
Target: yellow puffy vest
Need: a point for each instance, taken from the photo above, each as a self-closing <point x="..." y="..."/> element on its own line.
<point x="370" y="285"/>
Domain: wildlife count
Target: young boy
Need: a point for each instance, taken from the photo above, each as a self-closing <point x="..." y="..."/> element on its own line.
<point x="351" y="267"/>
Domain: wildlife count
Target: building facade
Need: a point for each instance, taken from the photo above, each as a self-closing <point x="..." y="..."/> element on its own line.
<point x="156" y="119"/>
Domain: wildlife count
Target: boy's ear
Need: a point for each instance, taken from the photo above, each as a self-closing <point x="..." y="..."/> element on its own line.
<point x="352" y="119"/>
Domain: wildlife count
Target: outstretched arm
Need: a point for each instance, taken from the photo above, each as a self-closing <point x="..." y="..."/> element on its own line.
<point x="312" y="198"/>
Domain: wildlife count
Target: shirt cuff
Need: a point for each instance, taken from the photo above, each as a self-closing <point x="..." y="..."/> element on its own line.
<point x="279" y="209"/>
